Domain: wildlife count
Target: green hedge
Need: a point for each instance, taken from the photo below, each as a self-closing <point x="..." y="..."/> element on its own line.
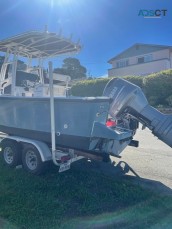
<point x="95" y="87"/>
<point x="89" y="87"/>
<point x="157" y="87"/>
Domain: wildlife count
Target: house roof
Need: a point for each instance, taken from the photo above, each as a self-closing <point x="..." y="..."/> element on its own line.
<point x="139" y="49"/>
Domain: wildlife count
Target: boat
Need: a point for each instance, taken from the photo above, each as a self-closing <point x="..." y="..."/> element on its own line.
<point x="25" y="97"/>
<point x="41" y="122"/>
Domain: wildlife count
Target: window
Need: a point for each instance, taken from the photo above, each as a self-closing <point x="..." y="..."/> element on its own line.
<point x="148" y="58"/>
<point x="122" y="63"/>
<point x="144" y="59"/>
<point x="141" y="60"/>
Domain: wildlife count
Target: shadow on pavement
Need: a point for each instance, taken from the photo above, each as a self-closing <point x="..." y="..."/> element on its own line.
<point x="119" y="171"/>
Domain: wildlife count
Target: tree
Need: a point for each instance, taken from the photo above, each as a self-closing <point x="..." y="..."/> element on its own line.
<point x="73" y="68"/>
<point x="60" y="71"/>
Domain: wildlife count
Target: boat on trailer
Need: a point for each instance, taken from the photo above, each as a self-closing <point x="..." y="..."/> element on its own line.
<point x="38" y="117"/>
<point x="25" y="94"/>
<point x="42" y="123"/>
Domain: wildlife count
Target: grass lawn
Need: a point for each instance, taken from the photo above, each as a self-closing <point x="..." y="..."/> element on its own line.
<point x="78" y="199"/>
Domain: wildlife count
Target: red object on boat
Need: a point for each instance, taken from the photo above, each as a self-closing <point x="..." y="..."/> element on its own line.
<point x="110" y="123"/>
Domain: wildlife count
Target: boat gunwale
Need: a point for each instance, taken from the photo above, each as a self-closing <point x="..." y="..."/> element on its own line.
<point x="64" y="99"/>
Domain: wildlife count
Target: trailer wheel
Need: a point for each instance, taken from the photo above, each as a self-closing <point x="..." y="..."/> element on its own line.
<point x="32" y="161"/>
<point x="11" y="152"/>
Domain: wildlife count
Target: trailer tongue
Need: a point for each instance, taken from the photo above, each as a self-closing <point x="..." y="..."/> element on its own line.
<point x="129" y="98"/>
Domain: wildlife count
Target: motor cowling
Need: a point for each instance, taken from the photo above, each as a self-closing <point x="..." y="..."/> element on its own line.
<point x="129" y="98"/>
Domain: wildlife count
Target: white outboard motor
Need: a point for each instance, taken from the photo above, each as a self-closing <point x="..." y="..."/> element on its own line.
<point x="129" y="98"/>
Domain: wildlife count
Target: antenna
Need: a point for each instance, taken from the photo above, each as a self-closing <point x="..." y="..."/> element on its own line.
<point x="78" y="42"/>
<point x="46" y="29"/>
<point x="60" y="32"/>
<point x="70" y="38"/>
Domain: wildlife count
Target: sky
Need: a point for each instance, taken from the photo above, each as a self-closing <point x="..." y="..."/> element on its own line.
<point x="104" y="27"/>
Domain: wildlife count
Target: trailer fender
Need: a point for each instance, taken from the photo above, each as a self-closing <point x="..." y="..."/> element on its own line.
<point x="42" y="147"/>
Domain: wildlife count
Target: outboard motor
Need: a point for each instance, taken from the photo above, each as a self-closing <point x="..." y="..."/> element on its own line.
<point x="129" y="98"/>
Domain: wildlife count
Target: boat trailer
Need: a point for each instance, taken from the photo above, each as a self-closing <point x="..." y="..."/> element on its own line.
<point x="128" y="105"/>
<point x="42" y="123"/>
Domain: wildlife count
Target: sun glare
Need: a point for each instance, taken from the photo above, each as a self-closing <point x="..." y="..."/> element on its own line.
<point x="60" y="2"/>
<point x="64" y="1"/>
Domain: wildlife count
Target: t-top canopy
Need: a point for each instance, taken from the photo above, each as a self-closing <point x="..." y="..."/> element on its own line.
<point x="38" y="44"/>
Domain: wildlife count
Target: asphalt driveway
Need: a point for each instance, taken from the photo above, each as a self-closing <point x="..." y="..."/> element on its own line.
<point x="152" y="160"/>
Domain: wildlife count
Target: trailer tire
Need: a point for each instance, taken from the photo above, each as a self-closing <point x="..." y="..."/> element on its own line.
<point x="32" y="161"/>
<point x="11" y="152"/>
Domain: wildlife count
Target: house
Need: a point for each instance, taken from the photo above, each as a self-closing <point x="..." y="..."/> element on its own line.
<point x="141" y="59"/>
